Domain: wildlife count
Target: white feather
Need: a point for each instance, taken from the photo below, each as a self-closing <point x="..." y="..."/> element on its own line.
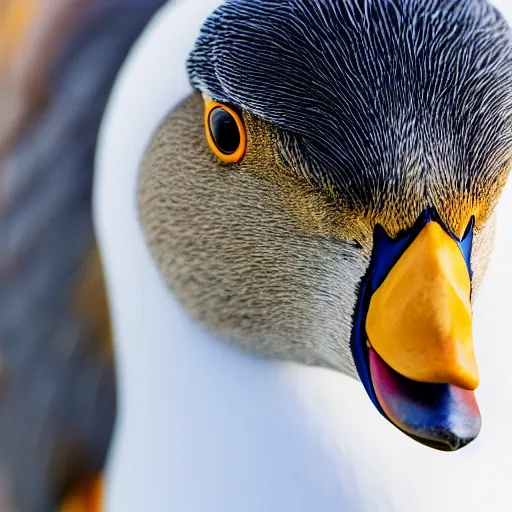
<point x="203" y="428"/>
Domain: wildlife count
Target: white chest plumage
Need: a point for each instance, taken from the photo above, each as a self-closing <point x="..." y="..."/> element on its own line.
<point x="203" y="427"/>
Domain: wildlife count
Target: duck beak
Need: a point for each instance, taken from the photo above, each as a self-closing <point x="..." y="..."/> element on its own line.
<point x="419" y="320"/>
<point x="419" y="327"/>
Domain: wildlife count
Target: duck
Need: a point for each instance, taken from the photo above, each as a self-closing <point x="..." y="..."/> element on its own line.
<point x="294" y="221"/>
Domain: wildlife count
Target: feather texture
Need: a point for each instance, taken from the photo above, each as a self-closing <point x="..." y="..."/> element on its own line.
<point x="387" y="105"/>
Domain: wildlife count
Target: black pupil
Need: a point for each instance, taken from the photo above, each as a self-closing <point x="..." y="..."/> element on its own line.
<point x="224" y="131"/>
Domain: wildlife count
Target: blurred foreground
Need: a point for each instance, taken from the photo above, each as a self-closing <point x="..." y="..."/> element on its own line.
<point x="58" y="61"/>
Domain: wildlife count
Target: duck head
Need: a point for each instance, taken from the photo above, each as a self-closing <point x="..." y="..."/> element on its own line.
<point x="327" y="194"/>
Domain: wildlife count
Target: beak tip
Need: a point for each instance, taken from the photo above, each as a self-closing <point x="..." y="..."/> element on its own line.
<point x="468" y="380"/>
<point x="461" y="372"/>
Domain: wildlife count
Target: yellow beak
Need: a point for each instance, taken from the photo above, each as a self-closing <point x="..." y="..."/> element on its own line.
<point x="419" y="320"/>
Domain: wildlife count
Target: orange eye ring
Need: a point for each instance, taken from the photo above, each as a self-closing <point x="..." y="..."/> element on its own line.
<point x="230" y="142"/>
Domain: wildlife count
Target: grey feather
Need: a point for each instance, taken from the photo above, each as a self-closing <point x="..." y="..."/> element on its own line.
<point x="377" y="102"/>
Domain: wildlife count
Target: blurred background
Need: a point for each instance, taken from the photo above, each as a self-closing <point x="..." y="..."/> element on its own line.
<point x="58" y="62"/>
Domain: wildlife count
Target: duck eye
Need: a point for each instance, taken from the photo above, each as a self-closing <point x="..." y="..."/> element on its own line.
<point x="225" y="132"/>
